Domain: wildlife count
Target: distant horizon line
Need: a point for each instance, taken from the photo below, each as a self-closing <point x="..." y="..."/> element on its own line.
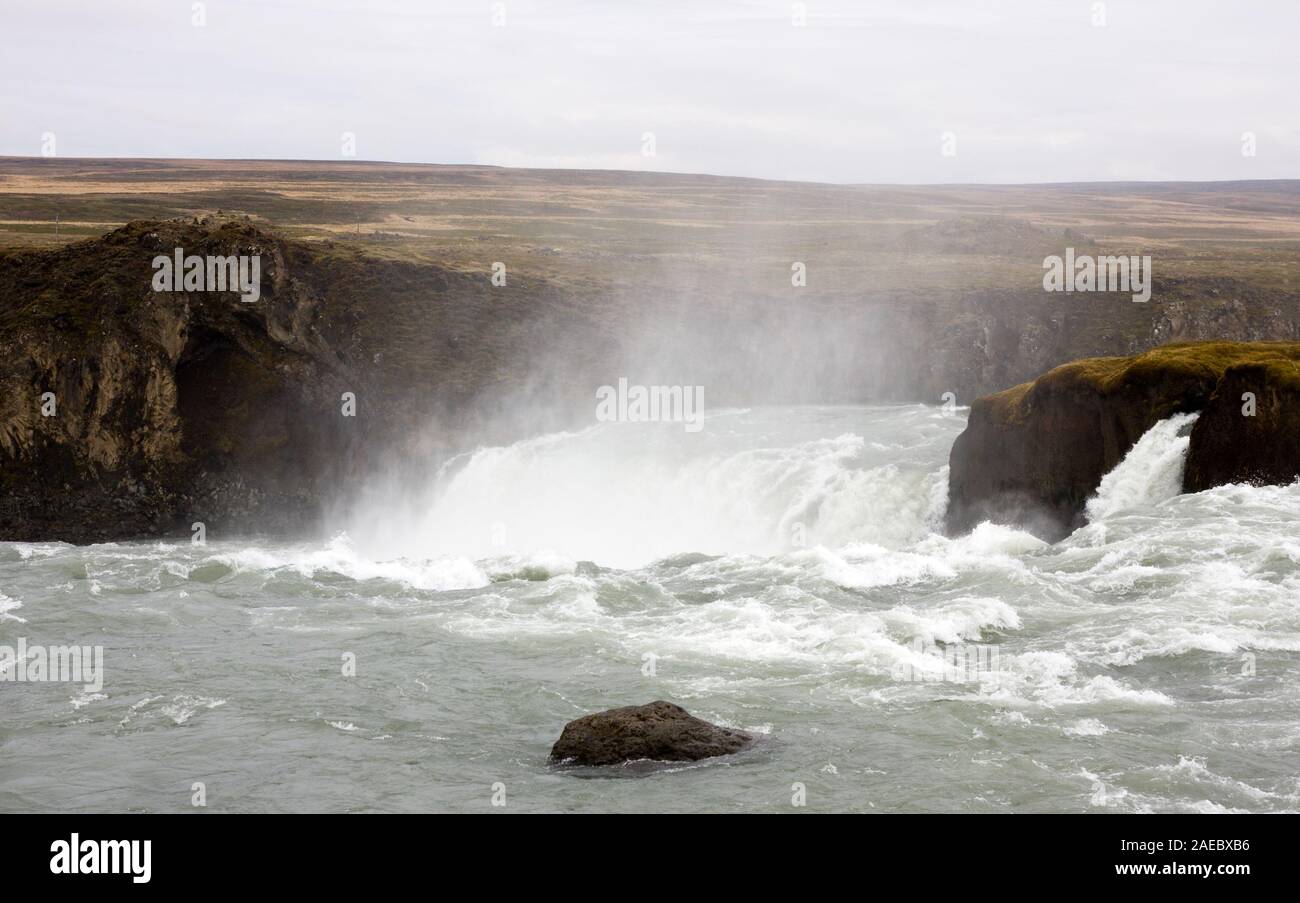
<point x="635" y="172"/>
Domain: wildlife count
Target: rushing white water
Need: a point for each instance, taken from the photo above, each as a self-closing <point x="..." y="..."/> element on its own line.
<point x="780" y="571"/>
<point x="626" y="495"/>
<point x="1151" y="472"/>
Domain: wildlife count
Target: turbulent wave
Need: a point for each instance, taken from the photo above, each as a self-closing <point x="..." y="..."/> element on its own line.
<point x="8" y="605"/>
<point x="339" y="557"/>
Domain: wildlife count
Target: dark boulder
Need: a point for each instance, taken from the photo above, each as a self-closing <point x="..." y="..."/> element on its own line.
<point x="660" y="731"/>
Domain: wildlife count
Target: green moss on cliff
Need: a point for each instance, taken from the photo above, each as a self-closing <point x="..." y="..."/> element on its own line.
<point x="1033" y="454"/>
<point x="1193" y="363"/>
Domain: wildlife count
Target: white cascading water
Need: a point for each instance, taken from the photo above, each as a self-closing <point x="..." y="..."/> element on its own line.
<point x="1151" y="472"/>
<point x="624" y="495"/>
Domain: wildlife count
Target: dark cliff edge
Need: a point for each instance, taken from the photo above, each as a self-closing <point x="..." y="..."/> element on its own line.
<point x="130" y="413"/>
<point x="1032" y="455"/>
<point x="126" y="412"/>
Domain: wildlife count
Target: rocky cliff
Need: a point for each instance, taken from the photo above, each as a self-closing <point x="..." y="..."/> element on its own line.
<point x="1032" y="455"/>
<point x="128" y="412"/>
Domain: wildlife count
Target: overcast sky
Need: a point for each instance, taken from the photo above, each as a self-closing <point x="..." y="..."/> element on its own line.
<point x="1030" y="90"/>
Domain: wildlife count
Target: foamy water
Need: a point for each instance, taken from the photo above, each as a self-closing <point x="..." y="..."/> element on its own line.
<point x="779" y="571"/>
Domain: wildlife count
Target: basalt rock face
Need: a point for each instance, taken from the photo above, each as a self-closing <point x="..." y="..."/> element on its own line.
<point x="1032" y="455"/>
<point x="128" y="412"/>
<point x="1249" y="431"/>
<point x="659" y="731"/>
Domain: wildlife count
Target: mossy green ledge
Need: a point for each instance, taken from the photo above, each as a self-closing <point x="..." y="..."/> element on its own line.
<point x="1032" y="455"/>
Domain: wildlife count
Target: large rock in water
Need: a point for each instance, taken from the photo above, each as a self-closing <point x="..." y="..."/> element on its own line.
<point x="660" y="731"/>
<point x="1032" y="455"/>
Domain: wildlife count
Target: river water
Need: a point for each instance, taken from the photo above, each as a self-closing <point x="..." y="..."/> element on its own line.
<point x="779" y="571"/>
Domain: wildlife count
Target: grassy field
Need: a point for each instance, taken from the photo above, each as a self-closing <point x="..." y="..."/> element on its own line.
<point x="636" y="229"/>
<point x="911" y="291"/>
